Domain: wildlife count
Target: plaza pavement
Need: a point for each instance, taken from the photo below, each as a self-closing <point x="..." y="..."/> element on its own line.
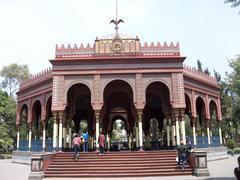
<point x="219" y="170"/>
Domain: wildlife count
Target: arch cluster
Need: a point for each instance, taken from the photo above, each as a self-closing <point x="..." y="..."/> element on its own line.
<point x="145" y="104"/>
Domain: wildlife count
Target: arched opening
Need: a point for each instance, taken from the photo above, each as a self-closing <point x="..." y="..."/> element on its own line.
<point x="154" y="113"/>
<point x="214" y="134"/>
<point x="49" y="119"/>
<point x="154" y="134"/>
<point x="213" y="118"/>
<point x="188" y="116"/>
<point x="200" y="107"/>
<point x="118" y="105"/>
<point x="49" y="124"/>
<point x="201" y="125"/>
<point x="119" y="139"/>
<point x="24" y="124"/>
<point x="36" y="123"/>
<point x="80" y="109"/>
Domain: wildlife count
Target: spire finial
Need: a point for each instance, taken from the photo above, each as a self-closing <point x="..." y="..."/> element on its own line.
<point x="116" y="10"/>
<point x="116" y="21"/>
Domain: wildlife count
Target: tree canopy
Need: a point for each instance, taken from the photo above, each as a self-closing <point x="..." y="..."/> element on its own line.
<point x="13" y="74"/>
<point x="234" y="3"/>
<point x="7" y="121"/>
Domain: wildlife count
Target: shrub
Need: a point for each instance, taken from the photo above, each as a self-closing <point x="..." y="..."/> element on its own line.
<point x="237" y="151"/>
<point x="230" y="144"/>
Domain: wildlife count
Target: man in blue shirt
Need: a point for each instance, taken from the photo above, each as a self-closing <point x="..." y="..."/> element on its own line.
<point x="85" y="140"/>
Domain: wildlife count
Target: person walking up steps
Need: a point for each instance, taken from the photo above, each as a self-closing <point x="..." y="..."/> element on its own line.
<point x="101" y="141"/>
<point x="85" y="141"/>
<point x="76" y="145"/>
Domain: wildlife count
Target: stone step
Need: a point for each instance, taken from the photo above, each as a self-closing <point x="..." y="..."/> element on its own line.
<point x="116" y="171"/>
<point x="107" y="164"/>
<point x="116" y="164"/>
<point x="116" y="175"/>
<point x="107" y="156"/>
<point x="118" y="154"/>
<point x="99" y="168"/>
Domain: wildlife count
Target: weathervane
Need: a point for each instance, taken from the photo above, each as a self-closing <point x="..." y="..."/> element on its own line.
<point x="116" y="21"/>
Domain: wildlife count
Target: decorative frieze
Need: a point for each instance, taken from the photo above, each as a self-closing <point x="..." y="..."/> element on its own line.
<point x="96" y="92"/>
<point x="178" y="90"/>
<point x="75" y="66"/>
<point x="58" y="93"/>
<point x="139" y="91"/>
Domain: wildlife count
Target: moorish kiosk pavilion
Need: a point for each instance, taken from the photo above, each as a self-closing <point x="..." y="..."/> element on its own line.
<point x="118" y="78"/>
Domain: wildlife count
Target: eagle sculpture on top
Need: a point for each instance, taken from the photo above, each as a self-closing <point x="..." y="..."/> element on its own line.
<point x="116" y="22"/>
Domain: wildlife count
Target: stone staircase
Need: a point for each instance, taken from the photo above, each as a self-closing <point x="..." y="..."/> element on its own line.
<point x="116" y="164"/>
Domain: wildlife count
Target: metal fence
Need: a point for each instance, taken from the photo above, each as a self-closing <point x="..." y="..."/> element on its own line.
<point x="36" y="145"/>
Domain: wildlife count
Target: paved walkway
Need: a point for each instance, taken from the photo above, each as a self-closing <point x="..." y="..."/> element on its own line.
<point x="219" y="170"/>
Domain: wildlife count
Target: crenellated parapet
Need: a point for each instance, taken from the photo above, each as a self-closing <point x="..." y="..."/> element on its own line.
<point x="73" y="50"/>
<point x="162" y="50"/>
<point x="117" y="45"/>
<point x="194" y="73"/>
<point x="36" y="78"/>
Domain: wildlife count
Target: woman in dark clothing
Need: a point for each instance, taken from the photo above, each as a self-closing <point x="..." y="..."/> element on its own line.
<point x="182" y="154"/>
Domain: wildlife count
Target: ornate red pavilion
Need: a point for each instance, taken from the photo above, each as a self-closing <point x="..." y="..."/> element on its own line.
<point x="118" y="78"/>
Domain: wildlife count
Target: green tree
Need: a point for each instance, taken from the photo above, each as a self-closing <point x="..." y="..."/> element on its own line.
<point x="6" y="142"/>
<point x="7" y="120"/>
<point x="233" y="83"/>
<point x="234" y="3"/>
<point x="13" y="74"/>
<point x="199" y="66"/>
<point x="206" y="71"/>
<point x="201" y="69"/>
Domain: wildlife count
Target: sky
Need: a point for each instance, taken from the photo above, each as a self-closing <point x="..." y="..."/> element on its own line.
<point x="208" y="30"/>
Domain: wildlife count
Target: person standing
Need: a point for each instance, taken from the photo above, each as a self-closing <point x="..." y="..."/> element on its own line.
<point x="101" y="141"/>
<point x="85" y="141"/>
<point x="76" y="145"/>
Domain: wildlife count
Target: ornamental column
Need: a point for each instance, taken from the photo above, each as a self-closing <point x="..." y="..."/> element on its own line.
<point x="140" y="130"/>
<point x="194" y="131"/>
<point x="55" y="131"/>
<point x="70" y="133"/>
<point x="130" y="140"/>
<point x="108" y="140"/>
<point x="208" y="132"/>
<point x="97" y="113"/>
<point x="173" y="132"/>
<point x="176" y="114"/>
<point x="168" y="131"/>
<point x="44" y="135"/>
<point x="220" y="131"/>
<point x="137" y="136"/>
<point x="60" y="137"/>
<point x="202" y="129"/>
<point x="64" y="131"/>
<point x="183" y="130"/>
<point x="18" y="137"/>
<point x="30" y="137"/>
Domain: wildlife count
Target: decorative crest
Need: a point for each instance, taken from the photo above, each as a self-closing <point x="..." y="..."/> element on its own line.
<point x="116" y="21"/>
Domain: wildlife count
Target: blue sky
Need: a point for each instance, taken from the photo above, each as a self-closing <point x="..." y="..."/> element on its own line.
<point x="208" y="30"/>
